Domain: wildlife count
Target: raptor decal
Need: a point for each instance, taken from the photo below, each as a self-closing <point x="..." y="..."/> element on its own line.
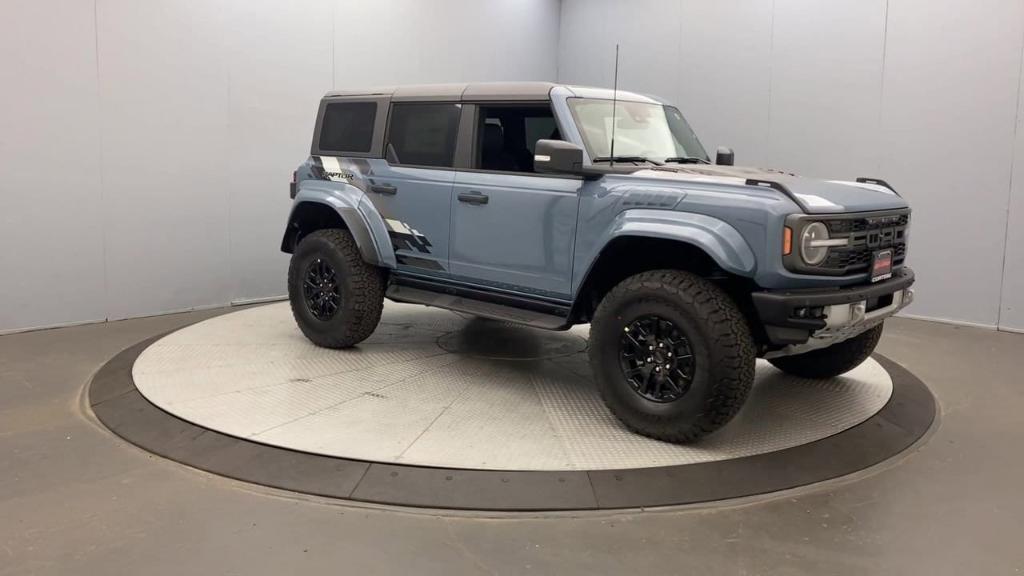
<point x="419" y="262"/>
<point x="329" y="168"/>
<point x="404" y="237"/>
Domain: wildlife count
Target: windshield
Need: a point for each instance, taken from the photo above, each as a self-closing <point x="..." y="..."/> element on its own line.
<point x="642" y="130"/>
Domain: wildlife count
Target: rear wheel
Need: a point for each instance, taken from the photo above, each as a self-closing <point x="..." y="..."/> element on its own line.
<point x="671" y="354"/>
<point x="834" y="360"/>
<point x="335" y="296"/>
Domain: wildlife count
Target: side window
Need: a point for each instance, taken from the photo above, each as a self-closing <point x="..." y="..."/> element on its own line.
<point x="540" y="128"/>
<point x="348" y="127"/>
<point x="507" y="136"/>
<point x="423" y="134"/>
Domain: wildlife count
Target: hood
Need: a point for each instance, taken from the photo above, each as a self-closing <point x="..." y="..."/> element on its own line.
<point x="813" y="196"/>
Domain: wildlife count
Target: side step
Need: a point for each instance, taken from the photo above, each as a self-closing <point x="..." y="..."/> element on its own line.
<point x="400" y="293"/>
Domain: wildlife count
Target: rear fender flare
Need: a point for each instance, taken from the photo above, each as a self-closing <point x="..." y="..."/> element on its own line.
<point x="359" y="215"/>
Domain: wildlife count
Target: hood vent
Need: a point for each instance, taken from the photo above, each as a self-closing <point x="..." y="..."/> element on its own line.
<point x="651" y="199"/>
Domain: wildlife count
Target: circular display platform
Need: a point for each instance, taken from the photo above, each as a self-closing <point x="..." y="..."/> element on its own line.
<point x="434" y="388"/>
<point x="441" y="409"/>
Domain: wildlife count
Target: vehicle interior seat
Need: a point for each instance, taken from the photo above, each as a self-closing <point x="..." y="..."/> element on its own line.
<point x="493" y="155"/>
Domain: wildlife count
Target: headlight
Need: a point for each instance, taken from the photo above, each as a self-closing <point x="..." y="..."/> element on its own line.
<point x="814" y="243"/>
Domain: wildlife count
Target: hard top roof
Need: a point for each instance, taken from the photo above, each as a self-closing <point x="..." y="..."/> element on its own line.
<point x="484" y="91"/>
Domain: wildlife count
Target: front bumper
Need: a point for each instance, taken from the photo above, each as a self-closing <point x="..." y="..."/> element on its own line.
<point x="797" y="321"/>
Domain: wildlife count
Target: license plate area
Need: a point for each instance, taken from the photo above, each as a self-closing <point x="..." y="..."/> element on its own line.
<point x="881" y="265"/>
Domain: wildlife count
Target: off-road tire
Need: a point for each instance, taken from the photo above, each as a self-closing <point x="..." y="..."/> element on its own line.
<point x="721" y="345"/>
<point x="829" y="362"/>
<point x="361" y="287"/>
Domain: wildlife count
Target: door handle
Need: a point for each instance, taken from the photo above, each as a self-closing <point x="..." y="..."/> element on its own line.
<point x="473" y="197"/>
<point x="384" y="189"/>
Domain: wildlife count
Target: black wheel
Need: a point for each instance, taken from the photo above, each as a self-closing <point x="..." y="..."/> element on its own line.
<point x="672" y="355"/>
<point x="336" y="297"/>
<point x="656" y="358"/>
<point x="829" y="362"/>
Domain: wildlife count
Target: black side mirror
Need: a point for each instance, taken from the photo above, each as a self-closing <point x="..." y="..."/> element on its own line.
<point x="557" y="157"/>
<point x="724" y="156"/>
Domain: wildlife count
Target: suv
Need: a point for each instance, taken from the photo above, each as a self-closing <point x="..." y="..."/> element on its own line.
<point x="551" y="205"/>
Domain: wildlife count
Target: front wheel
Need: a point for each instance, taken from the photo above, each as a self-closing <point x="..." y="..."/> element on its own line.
<point x="336" y="297"/>
<point x="833" y="360"/>
<point x="672" y="355"/>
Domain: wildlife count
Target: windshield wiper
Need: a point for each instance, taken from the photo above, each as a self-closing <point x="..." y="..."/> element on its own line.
<point x="625" y="159"/>
<point x="686" y="160"/>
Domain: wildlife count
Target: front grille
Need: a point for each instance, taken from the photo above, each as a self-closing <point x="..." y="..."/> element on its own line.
<point x="867" y="234"/>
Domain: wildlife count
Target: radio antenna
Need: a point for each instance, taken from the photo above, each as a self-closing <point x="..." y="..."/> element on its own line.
<point x="615" y="98"/>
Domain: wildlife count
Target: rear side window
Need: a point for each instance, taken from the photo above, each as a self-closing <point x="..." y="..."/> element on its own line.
<point x="348" y="127"/>
<point x="423" y="134"/>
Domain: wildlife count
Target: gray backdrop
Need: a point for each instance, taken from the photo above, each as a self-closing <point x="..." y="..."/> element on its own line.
<point x="922" y="93"/>
<point x="146" y="147"/>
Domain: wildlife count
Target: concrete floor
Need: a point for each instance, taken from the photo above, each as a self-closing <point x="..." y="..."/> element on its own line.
<point x="74" y="499"/>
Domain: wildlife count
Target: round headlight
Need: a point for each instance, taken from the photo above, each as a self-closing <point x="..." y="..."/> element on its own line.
<point x="811" y="240"/>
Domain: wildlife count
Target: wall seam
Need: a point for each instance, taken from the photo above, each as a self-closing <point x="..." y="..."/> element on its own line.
<point x="1009" y="191"/>
<point x="681" y="84"/>
<point x="881" y="81"/>
<point x="100" y="158"/>
<point x="771" y="60"/>
<point x="558" y="42"/>
<point x="227" y="57"/>
<point x="334" y="35"/>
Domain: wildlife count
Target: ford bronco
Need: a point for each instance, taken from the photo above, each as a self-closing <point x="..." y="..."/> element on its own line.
<point x="551" y="205"/>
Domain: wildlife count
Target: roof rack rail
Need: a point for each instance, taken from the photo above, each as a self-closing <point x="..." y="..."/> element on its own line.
<point x="877" y="182"/>
<point x="768" y="184"/>
<point x="777" y="186"/>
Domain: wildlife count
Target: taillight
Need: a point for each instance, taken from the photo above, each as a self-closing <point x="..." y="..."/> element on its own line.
<point x="291" y="187"/>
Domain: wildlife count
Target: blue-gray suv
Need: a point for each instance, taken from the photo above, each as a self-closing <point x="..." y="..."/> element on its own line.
<point x="551" y="205"/>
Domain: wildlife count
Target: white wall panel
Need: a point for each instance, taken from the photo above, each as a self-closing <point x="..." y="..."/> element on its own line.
<point x="163" y="95"/>
<point x="51" y="256"/>
<point x="279" y="57"/>
<point x="948" y="115"/>
<point x="826" y="85"/>
<point x="203" y="110"/>
<point x="390" y="42"/>
<point x="709" y="58"/>
<point x="647" y="32"/>
<point x="586" y="44"/>
<point x="724" y="82"/>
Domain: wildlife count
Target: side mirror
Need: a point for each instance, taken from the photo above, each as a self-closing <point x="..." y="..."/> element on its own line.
<point x="557" y="157"/>
<point x="724" y="156"/>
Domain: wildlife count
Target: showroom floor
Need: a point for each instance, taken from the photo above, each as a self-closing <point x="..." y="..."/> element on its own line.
<point x="74" y="498"/>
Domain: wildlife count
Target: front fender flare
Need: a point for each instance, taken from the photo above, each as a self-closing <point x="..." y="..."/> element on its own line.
<point x="723" y="243"/>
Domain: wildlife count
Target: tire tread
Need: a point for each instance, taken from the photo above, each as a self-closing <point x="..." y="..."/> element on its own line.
<point x="729" y="337"/>
<point x="362" y="301"/>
